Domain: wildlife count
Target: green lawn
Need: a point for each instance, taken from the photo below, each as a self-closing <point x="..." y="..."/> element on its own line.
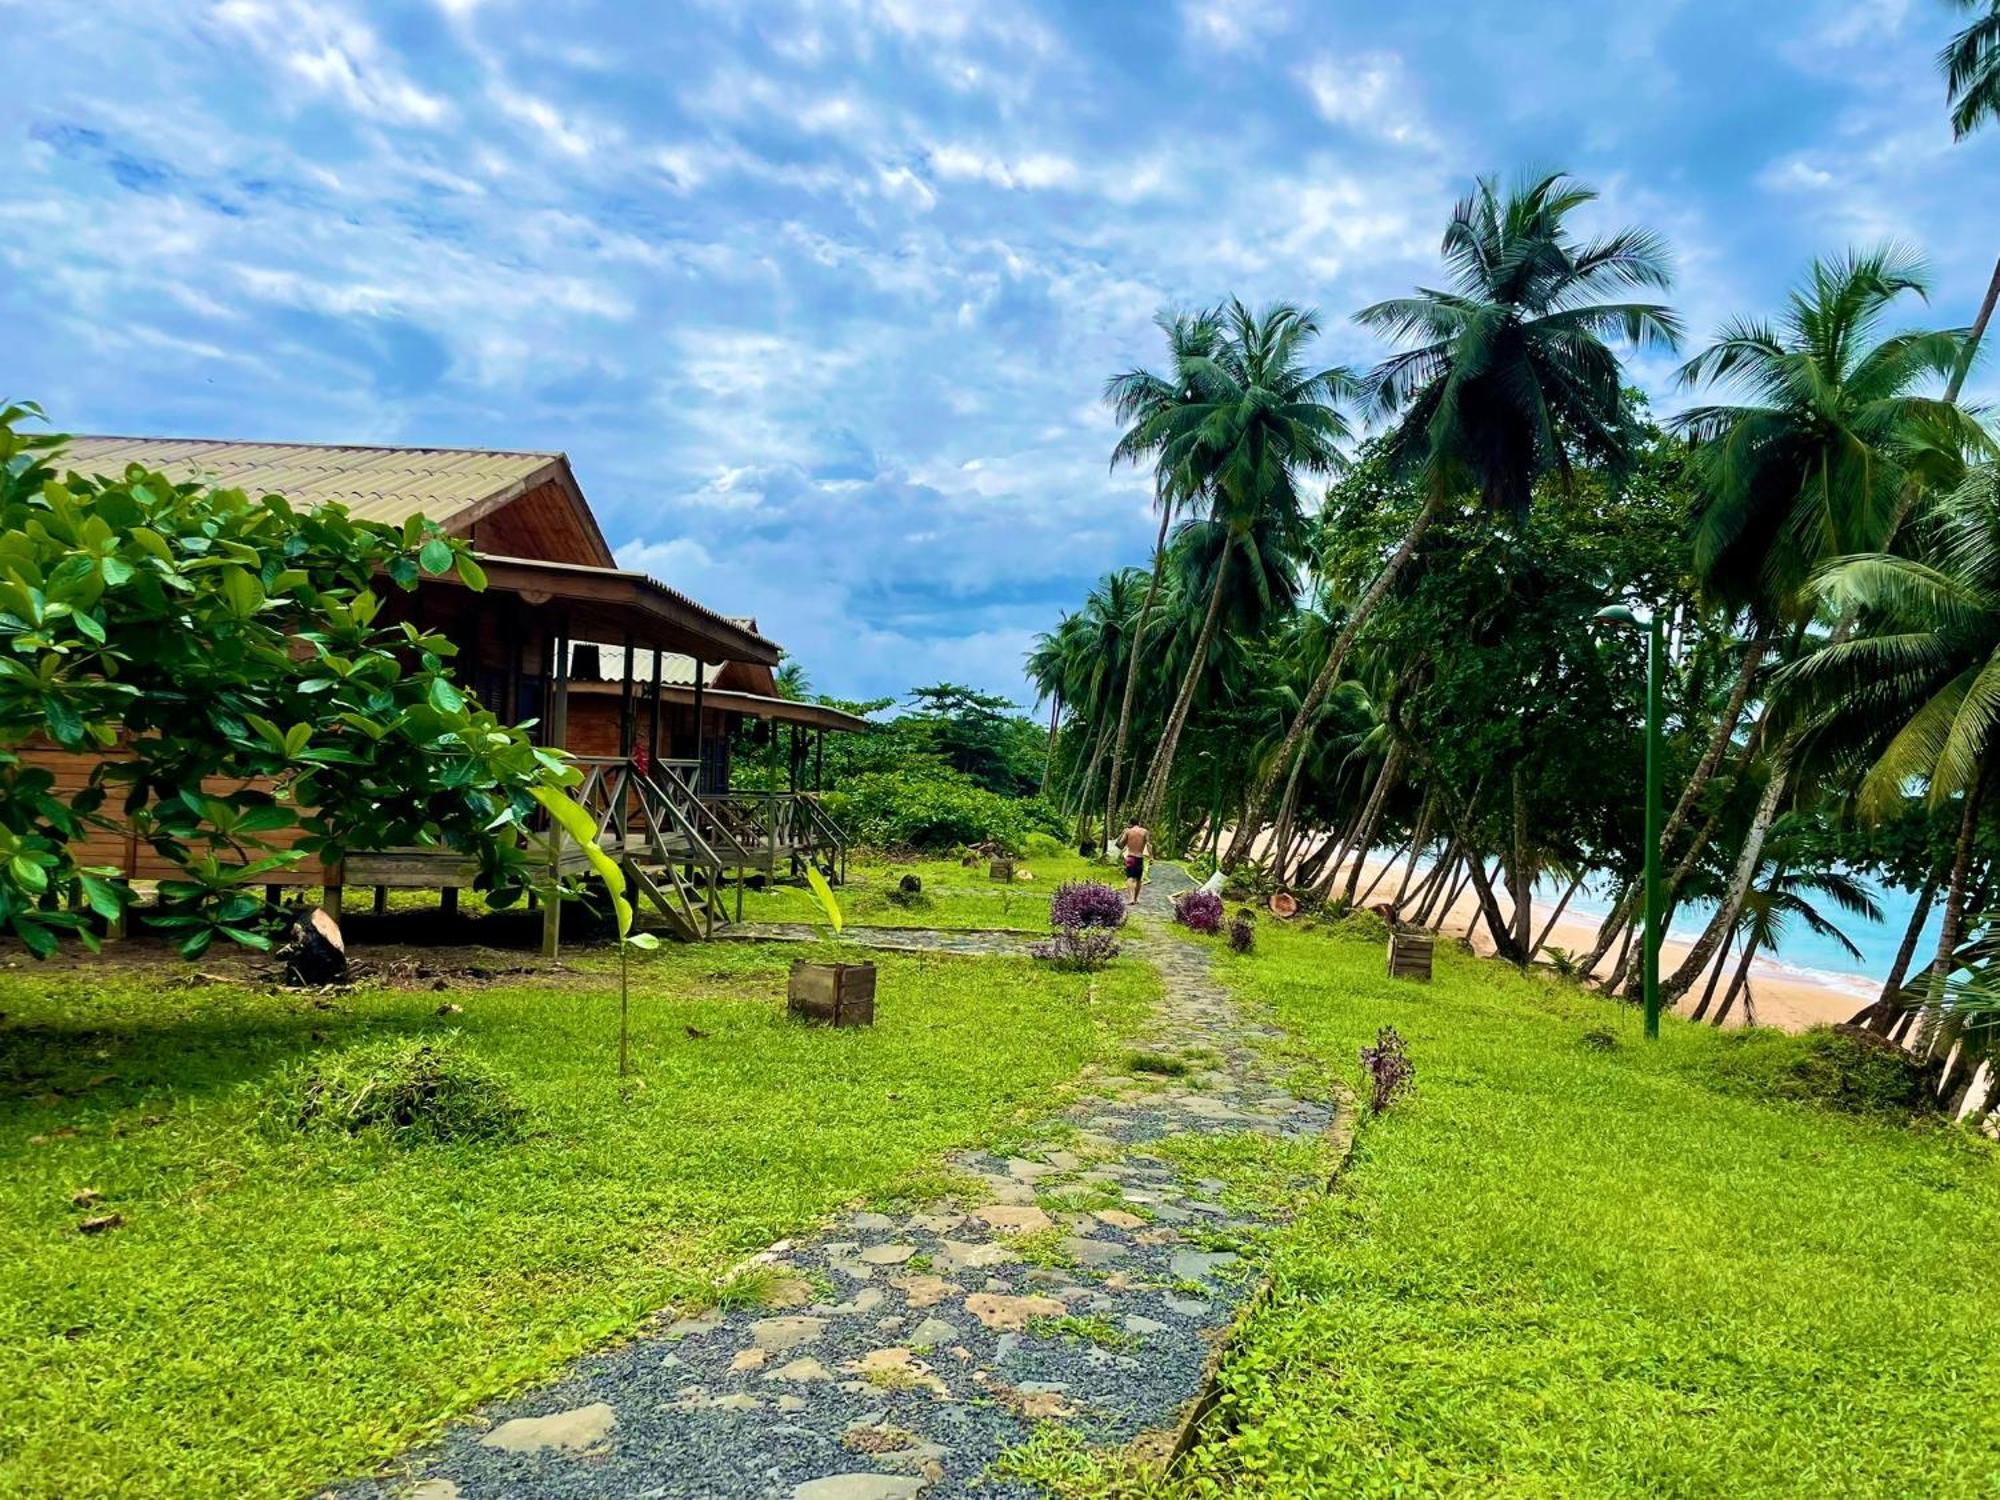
<point x="1557" y="1271"/>
<point x="953" y="896"/>
<point x="278" y="1311"/>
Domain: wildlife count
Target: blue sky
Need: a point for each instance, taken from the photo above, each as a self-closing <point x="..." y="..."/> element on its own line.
<point x="819" y="295"/>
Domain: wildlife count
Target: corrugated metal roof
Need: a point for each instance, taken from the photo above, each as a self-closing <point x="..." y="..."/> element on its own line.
<point x="376" y="484"/>
<point x="676" y="670"/>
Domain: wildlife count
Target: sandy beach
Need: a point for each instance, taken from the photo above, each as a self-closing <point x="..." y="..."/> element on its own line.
<point x="1791" y="999"/>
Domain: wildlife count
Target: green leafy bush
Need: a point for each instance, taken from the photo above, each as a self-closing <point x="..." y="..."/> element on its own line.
<point x="219" y="639"/>
<point x="934" y="809"/>
<point x="1040" y="845"/>
<point x="414" y="1092"/>
<point x="1836" y="1068"/>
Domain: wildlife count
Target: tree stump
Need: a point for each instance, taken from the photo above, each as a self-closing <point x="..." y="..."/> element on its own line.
<point x="315" y="953"/>
<point x="840" y="994"/>
<point x="1001" y="869"/>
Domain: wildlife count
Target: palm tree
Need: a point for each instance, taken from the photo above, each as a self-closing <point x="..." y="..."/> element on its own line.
<point x="1971" y="65"/>
<point x="1919" y="685"/>
<point x="1508" y="378"/>
<point x="1779" y="900"/>
<point x="1823" y="460"/>
<point x="1149" y="403"/>
<point x="1255" y="416"/>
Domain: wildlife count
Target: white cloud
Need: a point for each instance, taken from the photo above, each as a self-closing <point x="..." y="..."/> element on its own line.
<point x="1369" y="92"/>
<point x="1233" y="25"/>
<point x="336" y="54"/>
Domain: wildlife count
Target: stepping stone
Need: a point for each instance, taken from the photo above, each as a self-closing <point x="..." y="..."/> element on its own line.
<point x="957" y="1255"/>
<point x="887" y="1255"/>
<point x="924" y="1290"/>
<point x="936" y="1223"/>
<point x="740" y="1401"/>
<point x="1155" y="1237"/>
<point x="871" y="1221"/>
<point x="1007" y="1189"/>
<point x="1092" y="1252"/>
<point x="1011" y="1314"/>
<point x="580" y="1431"/>
<point x="933" y="1332"/>
<point x="1064" y="1161"/>
<point x="776" y="1335"/>
<point x="1190" y="1307"/>
<point x="866" y="1300"/>
<point x="793" y="1291"/>
<point x="1117" y="1218"/>
<point x="434" y="1489"/>
<point x="896" y="1368"/>
<point x="1023" y="1170"/>
<point x="859" y="1487"/>
<point x="1005" y="1218"/>
<point x="747" y="1360"/>
<point x="1139" y="1324"/>
<point x="791" y="1403"/>
<point x="688" y="1328"/>
<point x="805" y="1371"/>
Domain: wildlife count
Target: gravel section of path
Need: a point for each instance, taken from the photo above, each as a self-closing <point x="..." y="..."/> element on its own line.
<point x="1087" y="1283"/>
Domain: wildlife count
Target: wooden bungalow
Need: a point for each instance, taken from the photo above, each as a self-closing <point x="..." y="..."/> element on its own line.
<point x="651" y="734"/>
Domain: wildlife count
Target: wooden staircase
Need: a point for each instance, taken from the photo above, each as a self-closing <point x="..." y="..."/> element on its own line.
<point x="680" y="850"/>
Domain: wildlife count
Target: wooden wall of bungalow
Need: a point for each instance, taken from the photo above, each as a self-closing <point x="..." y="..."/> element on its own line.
<point x="552" y="582"/>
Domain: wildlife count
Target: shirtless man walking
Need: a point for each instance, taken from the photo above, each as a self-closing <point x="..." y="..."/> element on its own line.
<point x="1134" y="841"/>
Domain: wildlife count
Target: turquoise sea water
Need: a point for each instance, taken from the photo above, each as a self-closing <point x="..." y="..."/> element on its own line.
<point x="1802" y="949"/>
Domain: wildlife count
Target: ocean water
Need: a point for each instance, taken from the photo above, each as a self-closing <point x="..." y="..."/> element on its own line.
<point x="1802" y="950"/>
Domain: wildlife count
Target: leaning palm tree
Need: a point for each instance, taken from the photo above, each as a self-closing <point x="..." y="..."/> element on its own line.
<point x="1971" y="65"/>
<point x="1510" y="377"/>
<point x="1149" y="404"/>
<point x="1828" y="455"/>
<point x="1257" y="416"/>
<point x="1918" y="686"/>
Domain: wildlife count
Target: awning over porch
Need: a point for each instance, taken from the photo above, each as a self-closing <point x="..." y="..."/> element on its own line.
<point x="613" y="604"/>
<point x="723" y="700"/>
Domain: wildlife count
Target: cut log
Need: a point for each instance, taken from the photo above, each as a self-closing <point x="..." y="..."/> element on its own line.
<point x="315" y="955"/>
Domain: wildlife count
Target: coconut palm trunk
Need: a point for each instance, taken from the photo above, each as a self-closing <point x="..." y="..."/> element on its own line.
<point x="1132" y="674"/>
<point x="1155" y="793"/>
<point x="1714" y="978"/>
<point x="1364" y="838"/>
<point x="1972" y="338"/>
<point x="1083" y="819"/>
<point x="1329" y="675"/>
<point x="1880" y="1016"/>
<point x="1740" y="985"/>
<point x="1555" y="916"/>
<point x="1953" y="926"/>
<point x="1747" y="860"/>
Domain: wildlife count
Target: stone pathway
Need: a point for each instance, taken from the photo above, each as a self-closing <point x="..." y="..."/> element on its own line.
<point x="902" y="1355"/>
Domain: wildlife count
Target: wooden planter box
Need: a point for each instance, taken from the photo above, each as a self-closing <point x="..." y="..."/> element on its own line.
<point x="1001" y="869"/>
<point x="841" y="994"/>
<point x="1410" y="954"/>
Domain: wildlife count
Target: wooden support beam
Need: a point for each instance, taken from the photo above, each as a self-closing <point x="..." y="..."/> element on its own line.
<point x="653" y="729"/>
<point x="627" y="728"/>
<point x="700" y="762"/>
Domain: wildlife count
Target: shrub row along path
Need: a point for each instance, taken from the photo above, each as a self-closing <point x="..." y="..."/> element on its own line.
<point x="901" y="1355"/>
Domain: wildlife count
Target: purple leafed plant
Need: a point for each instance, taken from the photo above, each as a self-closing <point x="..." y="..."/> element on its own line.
<point x="1390" y="1071"/>
<point x="1086" y="903"/>
<point x="1086" y="949"/>
<point x="1200" y="911"/>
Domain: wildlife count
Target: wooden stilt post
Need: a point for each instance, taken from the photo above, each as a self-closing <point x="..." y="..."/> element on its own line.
<point x="700" y="757"/>
<point x="653" y="726"/>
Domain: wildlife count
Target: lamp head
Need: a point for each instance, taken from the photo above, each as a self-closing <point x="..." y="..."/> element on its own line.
<point x="1617" y="614"/>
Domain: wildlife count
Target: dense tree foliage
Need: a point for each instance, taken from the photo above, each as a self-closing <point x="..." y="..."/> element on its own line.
<point x="220" y="663"/>
<point x="1417" y="667"/>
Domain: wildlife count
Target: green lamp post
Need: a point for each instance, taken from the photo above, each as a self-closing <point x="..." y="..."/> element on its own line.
<point x="1649" y="953"/>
